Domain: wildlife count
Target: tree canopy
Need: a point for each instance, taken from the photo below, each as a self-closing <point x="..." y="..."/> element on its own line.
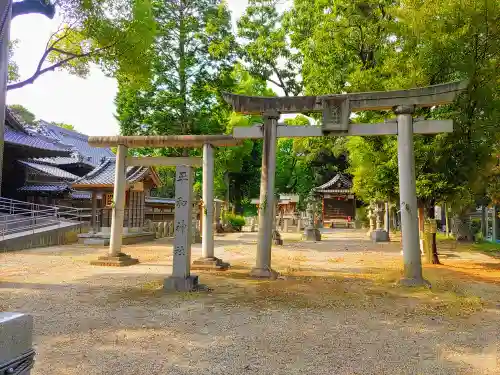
<point x="185" y="54"/>
<point x="115" y="35"/>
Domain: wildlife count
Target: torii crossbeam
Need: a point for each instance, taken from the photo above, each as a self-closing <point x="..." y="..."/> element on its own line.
<point x="336" y="110"/>
<point x="181" y="279"/>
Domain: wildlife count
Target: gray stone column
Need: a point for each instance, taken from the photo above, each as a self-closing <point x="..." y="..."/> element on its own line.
<point x="115" y="256"/>
<point x="207" y="244"/>
<point x="494" y="224"/>
<point x="181" y="279"/>
<point x="262" y="268"/>
<point x="484" y="223"/>
<point x="16" y="352"/>
<point x="408" y="198"/>
<point x="118" y="212"/>
<point x="208" y="259"/>
<point x="387" y="223"/>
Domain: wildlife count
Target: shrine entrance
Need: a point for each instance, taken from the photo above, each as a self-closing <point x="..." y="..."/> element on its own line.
<point x="336" y="111"/>
<point x="181" y="278"/>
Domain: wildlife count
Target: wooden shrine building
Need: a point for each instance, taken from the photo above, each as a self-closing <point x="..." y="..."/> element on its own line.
<point x="99" y="183"/>
<point x="338" y="201"/>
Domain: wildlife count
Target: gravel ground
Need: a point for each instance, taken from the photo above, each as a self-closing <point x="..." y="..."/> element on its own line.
<point x="334" y="311"/>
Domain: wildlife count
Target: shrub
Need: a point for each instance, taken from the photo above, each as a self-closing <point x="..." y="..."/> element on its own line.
<point x="235" y="221"/>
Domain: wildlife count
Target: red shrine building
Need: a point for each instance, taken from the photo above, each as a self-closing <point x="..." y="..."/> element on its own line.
<point x="338" y="202"/>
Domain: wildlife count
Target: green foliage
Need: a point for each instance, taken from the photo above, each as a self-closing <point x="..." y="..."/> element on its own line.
<point x="236" y="221"/>
<point x="265" y="48"/>
<point x="382" y="45"/>
<point x="63" y="125"/>
<point x="13" y="72"/>
<point x="23" y="113"/>
<point x="193" y="52"/>
<point x="116" y="35"/>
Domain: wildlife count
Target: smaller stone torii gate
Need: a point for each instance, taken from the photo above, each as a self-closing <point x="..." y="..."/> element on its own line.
<point x="336" y="110"/>
<point x="181" y="279"/>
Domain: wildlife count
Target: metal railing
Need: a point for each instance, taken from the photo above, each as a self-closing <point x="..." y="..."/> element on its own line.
<point x="19" y="216"/>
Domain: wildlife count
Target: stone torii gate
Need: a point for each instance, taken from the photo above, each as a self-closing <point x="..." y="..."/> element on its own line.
<point x="181" y="279"/>
<point x="336" y="110"/>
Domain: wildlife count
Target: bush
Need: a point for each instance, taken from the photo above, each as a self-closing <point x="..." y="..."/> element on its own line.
<point x="235" y="221"/>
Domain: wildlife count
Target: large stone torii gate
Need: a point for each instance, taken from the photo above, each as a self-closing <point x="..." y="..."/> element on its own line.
<point x="181" y="279"/>
<point x="336" y="111"/>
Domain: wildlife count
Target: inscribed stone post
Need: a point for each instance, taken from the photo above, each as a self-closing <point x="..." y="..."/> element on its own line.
<point x="181" y="279"/>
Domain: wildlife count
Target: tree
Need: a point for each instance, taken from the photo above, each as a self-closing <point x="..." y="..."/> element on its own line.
<point x="115" y="35"/>
<point x="64" y="125"/>
<point x="265" y="47"/>
<point x="381" y="45"/>
<point x="23" y="113"/>
<point x="238" y="168"/>
<point x="193" y="55"/>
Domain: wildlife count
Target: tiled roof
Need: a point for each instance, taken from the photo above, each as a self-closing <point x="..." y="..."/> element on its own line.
<point x="76" y="141"/>
<point x="44" y="187"/>
<point x="104" y="174"/>
<point x="26" y="140"/>
<point x="64" y="160"/>
<point x="50" y="170"/>
<point x="339" y="183"/>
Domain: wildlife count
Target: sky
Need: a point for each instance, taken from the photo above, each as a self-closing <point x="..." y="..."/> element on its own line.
<point x="87" y="104"/>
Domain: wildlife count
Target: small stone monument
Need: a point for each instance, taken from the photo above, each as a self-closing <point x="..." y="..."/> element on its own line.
<point x="276" y="235"/>
<point x="380" y="234"/>
<point x="310" y="232"/>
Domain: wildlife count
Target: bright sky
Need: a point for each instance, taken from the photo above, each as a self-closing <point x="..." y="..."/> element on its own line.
<point x="58" y="96"/>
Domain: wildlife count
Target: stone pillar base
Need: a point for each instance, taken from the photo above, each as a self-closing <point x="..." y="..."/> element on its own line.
<point x="181" y="284"/>
<point x="264" y="273"/>
<point x="414" y="282"/>
<point x="214" y="264"/>
<point x="121" y="260"/>
<point x="379" y="235"/>
<point x="311" y="235"/>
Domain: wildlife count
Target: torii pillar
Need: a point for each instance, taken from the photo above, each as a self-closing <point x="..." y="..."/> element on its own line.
<point x="262" y="267"/>
<point x="208" y="261"/>
<point x="408" y="198"/>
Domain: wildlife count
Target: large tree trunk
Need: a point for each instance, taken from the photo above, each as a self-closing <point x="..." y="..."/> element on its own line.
<point x="431" y="213"/>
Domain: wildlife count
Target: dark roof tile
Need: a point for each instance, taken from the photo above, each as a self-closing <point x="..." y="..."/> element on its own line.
<point x="49" y="170"/>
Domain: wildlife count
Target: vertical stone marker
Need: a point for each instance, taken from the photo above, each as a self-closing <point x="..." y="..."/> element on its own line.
<point x="181" y="279"/>
<point x="16" y="353"/>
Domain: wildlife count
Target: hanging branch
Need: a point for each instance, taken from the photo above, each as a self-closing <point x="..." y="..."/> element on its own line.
<point x="52" y="47"/>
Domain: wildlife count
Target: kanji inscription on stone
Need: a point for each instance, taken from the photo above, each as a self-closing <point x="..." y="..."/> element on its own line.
<point x="180" y="202"/>
<point x="183" y="212"/>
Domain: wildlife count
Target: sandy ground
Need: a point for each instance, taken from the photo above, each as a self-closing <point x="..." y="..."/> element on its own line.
<point x="336" y="310"/>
